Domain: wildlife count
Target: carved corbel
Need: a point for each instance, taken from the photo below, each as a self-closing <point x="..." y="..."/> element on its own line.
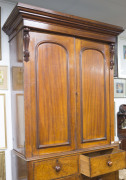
<point x="112" y="53"/>
<point x="26" y="44"/>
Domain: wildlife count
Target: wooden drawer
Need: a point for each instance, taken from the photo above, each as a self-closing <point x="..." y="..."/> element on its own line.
<point x="109" y="176"/>
<point x="55" y="168"/>
<point x="102" y="162"/>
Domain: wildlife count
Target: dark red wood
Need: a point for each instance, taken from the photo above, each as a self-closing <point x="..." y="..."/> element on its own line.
<point x="37" y="18"/>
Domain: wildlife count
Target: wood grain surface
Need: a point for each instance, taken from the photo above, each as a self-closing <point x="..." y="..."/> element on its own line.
<point x="68" y="92"/>
<point x="93" y="89"/>
<point x="52" y="87"/>
<point x="53" y="102"/>
<point x="47" y="169"/>
<point x="95" y="164"/>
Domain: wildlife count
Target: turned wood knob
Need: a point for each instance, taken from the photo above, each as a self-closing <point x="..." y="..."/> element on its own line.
<point x="57" y="168"/>
<point x="110" y="163"/>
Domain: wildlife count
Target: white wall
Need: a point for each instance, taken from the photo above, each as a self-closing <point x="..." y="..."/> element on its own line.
<point x="6" y="8"/>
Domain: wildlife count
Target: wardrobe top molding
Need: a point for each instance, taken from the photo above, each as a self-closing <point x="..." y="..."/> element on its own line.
<point x="36" y="18"/>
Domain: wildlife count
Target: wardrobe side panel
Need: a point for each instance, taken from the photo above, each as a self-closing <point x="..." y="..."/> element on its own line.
<point x="17" y="92"/>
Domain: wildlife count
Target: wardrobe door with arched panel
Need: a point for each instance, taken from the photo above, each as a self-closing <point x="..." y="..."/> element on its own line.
<point x="52" y="84"/>
<point x="93" y="93"/>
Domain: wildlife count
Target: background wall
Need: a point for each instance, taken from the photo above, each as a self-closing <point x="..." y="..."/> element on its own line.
<point x="119" y="101"/>
<point x="108" y="11"/>
<point x="6" y="8"/>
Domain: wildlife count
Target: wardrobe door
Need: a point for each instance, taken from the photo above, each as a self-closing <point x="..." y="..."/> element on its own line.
<point x="53" y="97"/>
<point x="93" y="93"/>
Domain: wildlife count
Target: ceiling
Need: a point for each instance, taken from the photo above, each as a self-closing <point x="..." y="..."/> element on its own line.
<point x="108" y="11"/>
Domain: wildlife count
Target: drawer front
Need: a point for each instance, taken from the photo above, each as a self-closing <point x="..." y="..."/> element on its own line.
<point x="108" y="163"/>
<point x="74" y="177"/>
<point x="55" y="168"/>
<point x="102" y="162"/>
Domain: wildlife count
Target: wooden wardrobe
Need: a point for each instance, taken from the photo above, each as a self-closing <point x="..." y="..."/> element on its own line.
<point x="62" y="96"/>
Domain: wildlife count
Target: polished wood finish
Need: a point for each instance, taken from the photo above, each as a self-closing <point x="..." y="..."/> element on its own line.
<point x="93" y="93"/>
<point x="112" y="52"/>
<point x="52" y="107"/>
<point x="92" y="88"/>
<point x="17" y="77"/>
<point x="67" y="66"/>
<point x="53" y="103"/>
<point x="19" y="45"/>
<point x="65" y="153"/>
<point x="95" y="164"/>
<point x="59" y="23"/>
<point x="68" y="166"/>
<point x="109" y="176"/>
<point x="26" y="44"/>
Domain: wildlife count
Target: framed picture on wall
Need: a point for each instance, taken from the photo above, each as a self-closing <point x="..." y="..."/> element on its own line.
<point x="19" y="39"/>
<point x="20" y="120"/>
<point x="3" y="77"/>
<point x="119" y="88"/>
<point x="2" y="166"/>
<point x="124" y="52"/>
<point x="17" y="78"/>
<point x="122" y="58"/>
<point x="3" y="137"/>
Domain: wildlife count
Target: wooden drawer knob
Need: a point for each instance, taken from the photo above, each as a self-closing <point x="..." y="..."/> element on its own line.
<point x="57" y="168"/>
<point x="110" y="163"/>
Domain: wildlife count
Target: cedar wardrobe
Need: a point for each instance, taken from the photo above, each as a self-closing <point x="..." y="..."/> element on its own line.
<point x="62" y="96"/>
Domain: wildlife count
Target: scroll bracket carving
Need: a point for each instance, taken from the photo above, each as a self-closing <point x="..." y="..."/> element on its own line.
<point x="112" y="53"/>
<point x="26" y="44"/>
